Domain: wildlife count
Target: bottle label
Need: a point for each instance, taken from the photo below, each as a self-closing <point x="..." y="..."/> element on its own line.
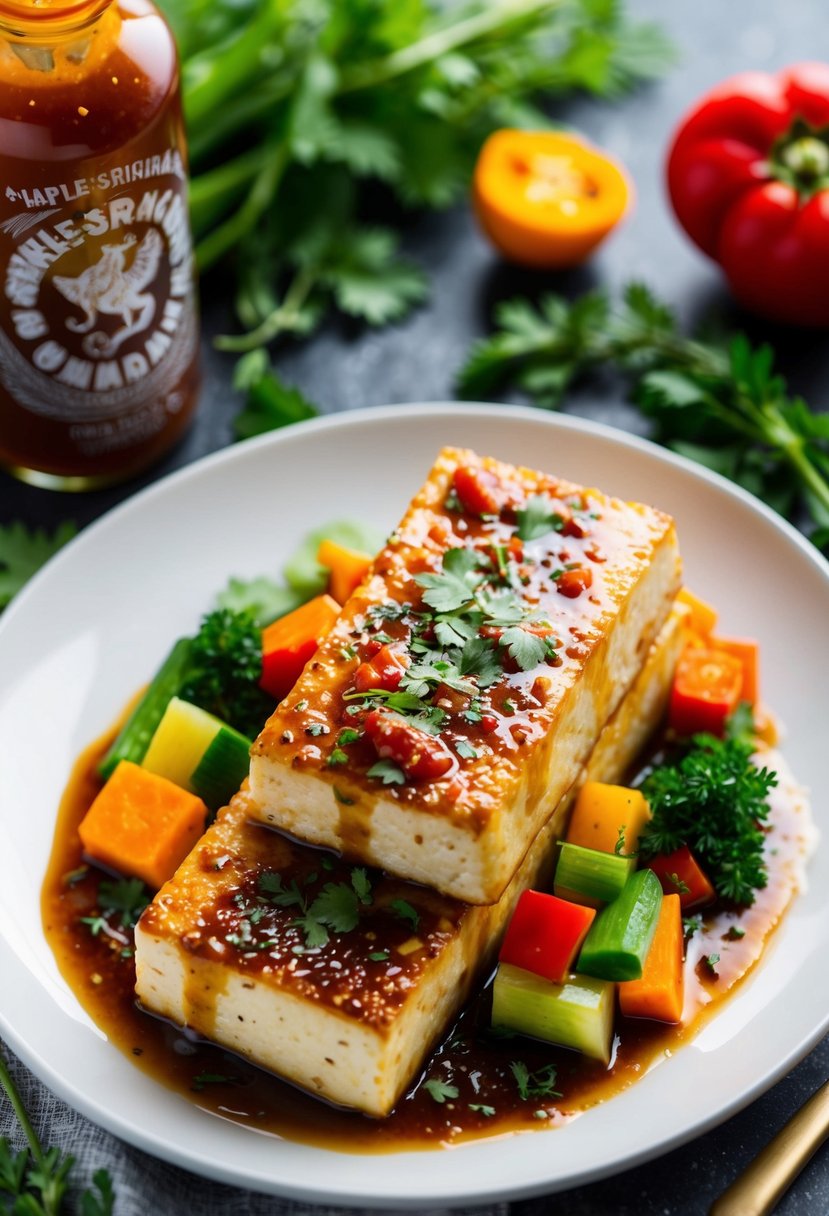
<point x="97" y="309"/>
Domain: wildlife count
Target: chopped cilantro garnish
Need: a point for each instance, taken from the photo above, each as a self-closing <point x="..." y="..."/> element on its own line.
<point x="440" y="1090"/>
<point x="316" y="729"/>
<point x="538" y="1084"/>
<point x="481" y="1109"/>
<point x="379" y="956"/>
<point x="537" y="518"/>
<point x="404" y="910"/>
<point x="465" y="749"/>
<point x="342" y="798"/>
<point x="348" y="736"/>
<point x="387" y="772"/>
<point x="338" y="756"/>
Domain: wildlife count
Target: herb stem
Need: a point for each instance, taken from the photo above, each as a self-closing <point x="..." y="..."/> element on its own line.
<point x="281" y="320"/>
<point x="222" y="239"/>
<point x="441" y="42"/>
<point x="212" y="192"/>
<point x="20" y="1111"/>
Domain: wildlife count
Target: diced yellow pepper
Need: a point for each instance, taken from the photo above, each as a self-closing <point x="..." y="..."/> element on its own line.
<point x="181" y="738"/>
<point x="703" y="617"/>
<point x="604" y="815"/>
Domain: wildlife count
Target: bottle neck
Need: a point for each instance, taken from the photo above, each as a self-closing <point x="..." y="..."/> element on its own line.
<point x="49" y="22"/>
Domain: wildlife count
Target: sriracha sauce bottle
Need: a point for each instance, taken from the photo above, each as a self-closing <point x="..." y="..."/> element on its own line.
<point x="98" y="320"/>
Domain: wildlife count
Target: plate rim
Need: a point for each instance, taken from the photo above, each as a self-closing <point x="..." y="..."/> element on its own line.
<point x="313" y="1193"/>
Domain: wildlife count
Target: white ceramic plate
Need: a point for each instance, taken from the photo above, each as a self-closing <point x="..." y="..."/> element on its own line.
<point x="95" y="623"/>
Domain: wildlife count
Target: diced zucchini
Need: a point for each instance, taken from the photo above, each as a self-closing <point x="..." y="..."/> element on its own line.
<point x="589" y="876"/>
<point x="222" y="768"/>
<point x="577" y="1014"/>
<point x="181" y="739"/>
<point x="135" y="735"/>
<point x="620" y="937"/>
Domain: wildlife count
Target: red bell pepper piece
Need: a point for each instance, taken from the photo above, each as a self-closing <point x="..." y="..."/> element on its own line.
<point x="383" y="670"/>
<point x="291" y="641"/>
<point x="545" y="934"/>
<point x="706" y="690"/>
<point x="680" y="874"/>
<point x="572" y="582"/>
<point x="421" y="756"/>
<point x="479" y="490"/>
<point x="748" y="176"/>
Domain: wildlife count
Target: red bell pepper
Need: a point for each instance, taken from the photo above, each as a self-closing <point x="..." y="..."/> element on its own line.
<point x="421" y="756"/>
<point x="680" y="874"/>
<point x="706" y="690"/>
<point x="748" y="176"/>
<point x="383" y="670"/>
<point x="292" y="640"/>
<point x="545" y="934"/>
<point x="479" y="490"/>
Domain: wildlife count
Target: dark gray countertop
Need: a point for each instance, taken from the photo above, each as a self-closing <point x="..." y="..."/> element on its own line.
<point x="345" y="367"/>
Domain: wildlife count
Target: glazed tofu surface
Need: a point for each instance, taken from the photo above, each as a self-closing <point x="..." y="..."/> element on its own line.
<point x="228" y="947"/>
<point x="467" y="680"/>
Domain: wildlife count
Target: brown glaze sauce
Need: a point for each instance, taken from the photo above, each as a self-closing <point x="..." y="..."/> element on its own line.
<point x="100" y="971"/>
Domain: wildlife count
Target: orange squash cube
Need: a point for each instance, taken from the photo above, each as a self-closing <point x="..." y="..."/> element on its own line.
<point x="142" y="824"/>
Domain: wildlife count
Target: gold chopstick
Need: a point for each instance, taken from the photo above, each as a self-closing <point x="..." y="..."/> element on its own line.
<point x="760" y="1186"/>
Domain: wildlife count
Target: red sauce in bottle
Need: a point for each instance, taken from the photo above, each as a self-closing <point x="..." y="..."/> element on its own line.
<point x="98" y="323"/>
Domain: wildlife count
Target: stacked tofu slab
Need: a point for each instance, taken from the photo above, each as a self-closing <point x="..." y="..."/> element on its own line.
<point x="342" y="1021"/>
<point x="223" y="948"/>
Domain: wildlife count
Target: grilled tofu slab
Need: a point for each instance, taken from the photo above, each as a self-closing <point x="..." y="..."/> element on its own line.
<point x="226" y="948"/>
<point x="466" y="681"/>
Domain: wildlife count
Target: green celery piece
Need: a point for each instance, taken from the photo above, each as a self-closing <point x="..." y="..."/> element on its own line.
<point x="589" y="876"/>
<point x="303" y="572"/>
<point x="135" y="735"/>
<point x="222" y="768"/>
<point x="620" y="937"/>
<point x="577" y="1014"/>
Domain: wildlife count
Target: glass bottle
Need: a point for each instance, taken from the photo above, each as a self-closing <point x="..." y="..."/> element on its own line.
<point x="98" y="319"/>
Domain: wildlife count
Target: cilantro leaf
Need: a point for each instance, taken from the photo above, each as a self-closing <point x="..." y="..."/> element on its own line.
<point x="537" y="518"/>
<point x="440" y="1090"/>
<point x="387" y="772"/>
<point x="362" y="886"/>
<point x="455" y="585"/>
<point x="126" y="896"/>
<point x="264" y="599"/>
<point x="271" y="886"/>
<point x="271" y="404"/>
<point x="481" y="1109"/>
<point x="465" y="749"/>
<point x="404" y="910"/>
<point x="478" y="658"/>
<point x="23" y="551"/>
<point x="526" y="648"/>
<point x="337" y="907"/>
<point x="538" y="1084"/>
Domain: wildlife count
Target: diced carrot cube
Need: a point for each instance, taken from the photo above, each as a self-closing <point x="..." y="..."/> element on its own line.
<point x="747" y="651"/>
<point x="703" y="616"/>
<point x="348" y="568"/>
<point x="658" y="993"/>
<point x="605" y="815"/>
<point x="142" y="824"/>
<point x="292" y="640"/>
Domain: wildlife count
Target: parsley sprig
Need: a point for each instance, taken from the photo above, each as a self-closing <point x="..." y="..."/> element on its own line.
<point x="721" y="404"/>
<point x="715" y="800"/>
<point x="37" y="1179"/>
<point x="335" y="909"/>
<point x="538" y="1084"/>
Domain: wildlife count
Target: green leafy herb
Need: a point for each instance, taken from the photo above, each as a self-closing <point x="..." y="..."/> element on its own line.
<point x="379" y="956"/>
<point x="691" y="925"/>
<point x="387" y="772"/>
<point x="270" y="403"/>
<point x="261" y="597"/>
<point x="455" y="585"/>
<point x="127" y="897"/>
<point x="36" y="1179"/>
<point x="23" y="551"/>
<point x="481" y="1109"/>
<point x="342" y="798"/>
<point x="714" y="800"/>
<point x="338" y="756"/>
<point x="721" y="404"/>
<point x="211" y="1078"/>
<point x="538" y="1084"/>
<point x="296" y="111"/>
<point x="678" y="884"/>
<point x="404" y="910"/>
<point x="735" y="933"/>
<point x="440" y="1090"/>
<point x="711" y="961"/>
<point x="526" y="648"/>
<point x="225" y="668"/>
<point x="316" y="729"/>
<point x="537" y="518"/>
<point x="465" y="749"/>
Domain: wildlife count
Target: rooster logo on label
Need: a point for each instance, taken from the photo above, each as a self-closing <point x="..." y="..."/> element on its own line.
<point x="108" y="288"/>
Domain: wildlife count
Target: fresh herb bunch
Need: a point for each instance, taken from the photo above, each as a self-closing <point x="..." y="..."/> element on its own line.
<point x="295" y="109"/>
<point x="715" y="801"/>
<point x="23" y="551"/>
<point x="719" y="404"/>
<point x="224" y="669"/>
<point x="34" y="1180"/>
